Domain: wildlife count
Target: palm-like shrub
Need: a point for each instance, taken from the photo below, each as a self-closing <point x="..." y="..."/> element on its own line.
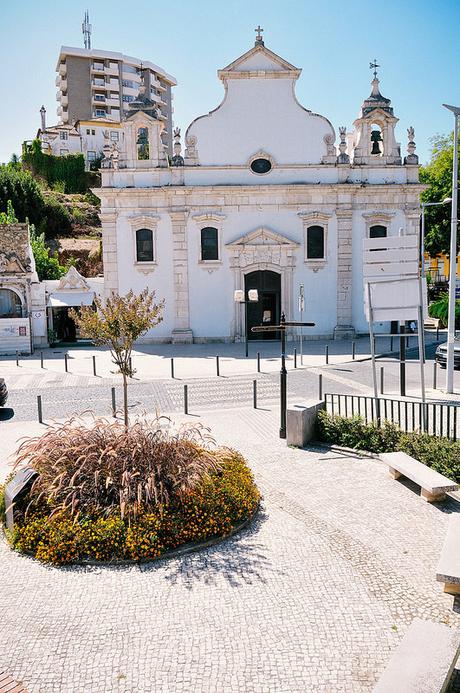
<point x="104" y="467"/>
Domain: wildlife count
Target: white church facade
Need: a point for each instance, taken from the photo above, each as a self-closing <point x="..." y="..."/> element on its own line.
<point x="262" y="197"/>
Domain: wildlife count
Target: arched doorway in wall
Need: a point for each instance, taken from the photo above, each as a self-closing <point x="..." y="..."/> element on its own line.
<point x="267" y="311"/>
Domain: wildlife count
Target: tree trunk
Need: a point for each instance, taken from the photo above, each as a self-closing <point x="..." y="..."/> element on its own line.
<point x="125" y="398"/>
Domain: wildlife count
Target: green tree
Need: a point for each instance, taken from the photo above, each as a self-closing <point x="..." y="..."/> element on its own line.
<point x="118" y="323"/>
<point x="46" y="264"/>
<point x="438" y="176"/>
<point x="23" y="191"/>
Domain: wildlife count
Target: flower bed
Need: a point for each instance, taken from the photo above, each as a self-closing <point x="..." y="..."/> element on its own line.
<point x="440" y="454"/>
<point x="131" y="494"/>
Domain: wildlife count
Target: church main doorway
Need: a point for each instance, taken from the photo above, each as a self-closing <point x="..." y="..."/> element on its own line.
<point x="267" y="311"/>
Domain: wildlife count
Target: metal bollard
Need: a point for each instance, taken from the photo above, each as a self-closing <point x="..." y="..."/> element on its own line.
<point x="326" y="353"/>
<point x="254" y="393"/>
<point x="172" y="369"/>
<point x="41" y="359"/>
<point x="94" y="365"/>
<point x="185" y="399"/>
<point x="320" y="387"/>
<point x="114" y="404"/>
<point x="40" y="410"/>
<point x="66" y="365"/>
<point x="295" y="357"/>
<point x="17" y="357"/>
<point x="435" y="373"/>
<point x="217" y="366"/>
<point x="353" y="350"/>
<point x="381" y="380"/>
<point x="391" y="343"/>
<point x="258" y="362"/>
<point x="437" y="333"/>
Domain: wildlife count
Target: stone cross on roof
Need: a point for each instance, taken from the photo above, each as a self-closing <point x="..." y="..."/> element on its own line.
<point x="259" y="39"/>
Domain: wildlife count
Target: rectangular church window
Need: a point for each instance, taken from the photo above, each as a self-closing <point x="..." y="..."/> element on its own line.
<point x="315" y="243"/>
<point x="144" y="245"/>
<point x="209" y="244"/>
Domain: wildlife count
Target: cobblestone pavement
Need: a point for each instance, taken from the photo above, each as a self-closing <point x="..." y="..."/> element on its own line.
<point x="314" y="596"/>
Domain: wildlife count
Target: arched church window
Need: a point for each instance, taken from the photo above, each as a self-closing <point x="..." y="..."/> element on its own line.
<point x="143" y="149"/>
<point x="144" y="245"/>
<point x="209" y="244"/>
<point x="378" y="231"/>
<point x="10" y="304"/>
<point x="376" y="140"/>
<point x="261" y="166"/>
<point x="315" y="243"/>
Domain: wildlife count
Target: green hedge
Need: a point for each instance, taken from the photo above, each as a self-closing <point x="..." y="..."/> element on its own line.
<point x="69" y="170"/>
<point x="441" y="454"/>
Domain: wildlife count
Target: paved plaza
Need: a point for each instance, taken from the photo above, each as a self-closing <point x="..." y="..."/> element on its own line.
<point x="314" y="596"/>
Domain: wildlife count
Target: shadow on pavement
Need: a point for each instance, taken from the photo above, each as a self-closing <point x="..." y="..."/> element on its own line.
<point x="237" y="561"/>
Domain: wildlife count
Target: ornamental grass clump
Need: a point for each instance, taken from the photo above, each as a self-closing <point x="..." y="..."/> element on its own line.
<point x="104" y="467"/>
<point x="106" y="492"/>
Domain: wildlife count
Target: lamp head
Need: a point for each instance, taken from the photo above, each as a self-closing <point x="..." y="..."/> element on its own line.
<point x="253" y="295"/>
<point x="455" y="109"/>
<point x="239" y="296"/>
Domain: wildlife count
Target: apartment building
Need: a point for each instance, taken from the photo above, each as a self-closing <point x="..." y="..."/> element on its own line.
<point x="94" y="84"/>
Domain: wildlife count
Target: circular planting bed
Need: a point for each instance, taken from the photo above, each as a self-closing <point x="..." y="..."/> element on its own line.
<point x="104" y="492"/>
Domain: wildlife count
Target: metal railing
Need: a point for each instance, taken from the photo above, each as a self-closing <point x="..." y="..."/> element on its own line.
<point x="438" y="419"/>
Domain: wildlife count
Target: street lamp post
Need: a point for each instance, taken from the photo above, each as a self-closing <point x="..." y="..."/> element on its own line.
<point x="453" y="258"/>
<point x="281" y="328"/>
<point x="239" y="297"/>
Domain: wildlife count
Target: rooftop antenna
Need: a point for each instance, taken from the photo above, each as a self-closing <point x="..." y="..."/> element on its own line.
<point x="86" y="29"/>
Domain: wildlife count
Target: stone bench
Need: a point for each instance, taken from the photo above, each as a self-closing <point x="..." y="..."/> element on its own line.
<point x="434" y="485"/>
<point x="424" y="660"/>
<point x="449" y="562"/>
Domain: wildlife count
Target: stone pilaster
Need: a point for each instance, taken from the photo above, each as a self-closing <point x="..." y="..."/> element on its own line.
<point x="109" y="253"/>
<point x="344" y="328"/>
<point x="413" y="222"/>
<point x="181" y="333"/>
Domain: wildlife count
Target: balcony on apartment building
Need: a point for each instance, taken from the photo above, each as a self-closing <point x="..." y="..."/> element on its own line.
<point x="99" y="82"/>
<point x="62" y="69"/>
<point x="111" y="69"/>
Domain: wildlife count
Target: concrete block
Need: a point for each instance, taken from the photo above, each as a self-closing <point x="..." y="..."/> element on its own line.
<point x="301" y="423"/>
<point x="424" y="661"/>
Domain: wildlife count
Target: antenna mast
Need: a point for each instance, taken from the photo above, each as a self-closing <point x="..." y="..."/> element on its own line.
<point x="86" y="29"/>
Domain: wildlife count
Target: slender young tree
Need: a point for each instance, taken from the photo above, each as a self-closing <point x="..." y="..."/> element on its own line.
<point x="118" y="323"/>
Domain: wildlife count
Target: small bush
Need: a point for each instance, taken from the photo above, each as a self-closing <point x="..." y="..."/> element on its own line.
<point x="441" y="454"/>
<point x="57" y="221"/>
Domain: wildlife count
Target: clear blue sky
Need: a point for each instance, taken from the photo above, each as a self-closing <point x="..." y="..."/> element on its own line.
<point x="415" y="41"/>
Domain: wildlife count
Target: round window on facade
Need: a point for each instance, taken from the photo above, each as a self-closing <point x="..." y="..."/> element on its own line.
<point x="261" y="166"/>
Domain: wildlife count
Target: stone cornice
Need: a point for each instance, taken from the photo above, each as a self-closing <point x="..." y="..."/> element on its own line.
<point x="243" y="189"/>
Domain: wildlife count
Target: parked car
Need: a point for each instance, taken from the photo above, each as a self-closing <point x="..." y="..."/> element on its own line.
<point x="3" y="392"/>
<point x="441" y="354"/>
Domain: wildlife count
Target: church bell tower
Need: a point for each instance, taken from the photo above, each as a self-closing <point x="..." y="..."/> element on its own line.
<point x="374" y="133"/>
